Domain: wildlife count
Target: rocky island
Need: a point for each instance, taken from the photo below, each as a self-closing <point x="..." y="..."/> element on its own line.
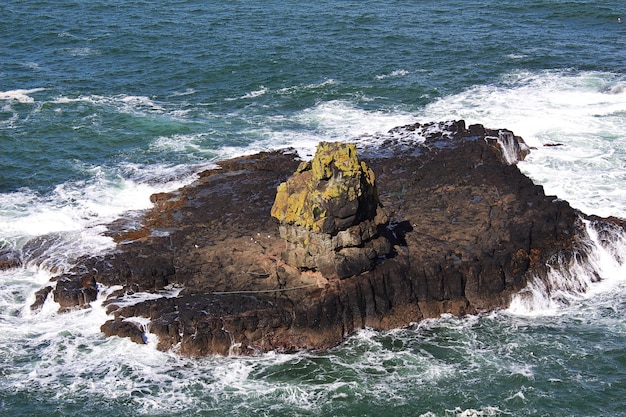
<point x="269" y="252"/>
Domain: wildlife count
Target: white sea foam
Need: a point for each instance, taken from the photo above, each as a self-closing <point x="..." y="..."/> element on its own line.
<point x="138" y="297"/>
<point x="73" y="217"/>
<point x="84" y="51"/>
<point x="600" y="267"/>
<point x="191" y="144"/>
<point x="584" y="112"/>
<point x="31" y="65"/>
<point x="256" y="93"/>
<point x="140" y="102"/>
<point x="20" y="96"/>
<point x="471" y="412"/>
<point x="121" y="102"/>
<point x="187" y="92"/>
<point x="66" y="353"/>
<point x="10" y="121"/>
<point x="324" y="83"/>
<point x="393" y="74"/>
<point x="307" y="87"/>
<point x="252" y="94"/>
<point x="511" y="148"/>
<point x="329" y="121"/>
<point x="342" y="121"/>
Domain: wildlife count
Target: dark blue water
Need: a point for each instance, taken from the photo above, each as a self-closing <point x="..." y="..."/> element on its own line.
<point x="104" y="102"/>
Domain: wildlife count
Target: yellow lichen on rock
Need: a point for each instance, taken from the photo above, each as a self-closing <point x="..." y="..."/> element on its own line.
<point x="325" y="188"/>
<point x="330" y="214"/>
<point x="370" y="177"/>
<point x="331" y="157"/>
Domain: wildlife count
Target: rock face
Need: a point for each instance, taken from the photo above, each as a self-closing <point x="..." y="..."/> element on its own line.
<point x="330" y="215"/>
<point x="68" y="294"/>
<point x="208" y="272"/>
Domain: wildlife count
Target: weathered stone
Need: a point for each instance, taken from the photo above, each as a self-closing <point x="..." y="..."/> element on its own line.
<point x="330" y="214"/>
<point x="124" y="328"/>
<point x="41" y="296"/>
<point x="467" y="228"/>
<point x="330" y="193"/>
<point x="75" y="291"/>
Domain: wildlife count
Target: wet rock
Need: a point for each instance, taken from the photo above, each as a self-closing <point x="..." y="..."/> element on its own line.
<point x="40" y="298"/>
<point x="466" y="228"/>
<point x="9" y="259"/>
<point x="124" y="328"/>
<point x="75" y="291"/>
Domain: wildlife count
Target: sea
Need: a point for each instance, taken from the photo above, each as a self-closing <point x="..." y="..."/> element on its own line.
<point x="105" y="102"/>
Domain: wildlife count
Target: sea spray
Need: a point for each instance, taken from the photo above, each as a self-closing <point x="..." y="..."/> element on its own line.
<point x="580" y="111"/>
<point x="596" y="265"/>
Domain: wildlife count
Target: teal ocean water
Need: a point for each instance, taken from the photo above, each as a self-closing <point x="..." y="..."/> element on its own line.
<point x="103" y="103"/>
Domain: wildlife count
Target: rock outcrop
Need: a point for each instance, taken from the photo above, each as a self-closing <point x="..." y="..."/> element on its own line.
<point x="208" y="272"/>
<point x="69" y="295"/>
<point x="330" y="214"/>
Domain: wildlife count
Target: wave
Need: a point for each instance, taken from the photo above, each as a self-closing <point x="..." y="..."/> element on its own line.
<point x="50" y="230"/>
<point x="582" y="112"/>
<point x="393" y="74"/>
<point x="285" y="91"/>
<point x="21" y="95"/>
<point x="12" y="100"/>
<point x="252" y="94"/>
<point x="533" y="103"/>
<point x="187" y="92"/>
<point x="123" y="102"/>
<point x="297" y="89"/>
<point x="342" y="120"/>
<point x="62" y="113"/>
<point x="81" y="51"/>
<point x="599" y="265"/>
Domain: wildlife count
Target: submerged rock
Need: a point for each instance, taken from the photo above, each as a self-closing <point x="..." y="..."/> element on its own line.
<point x="9" y="259"/>
<point x="330" y="214"/>
<point x="234" y="266"/>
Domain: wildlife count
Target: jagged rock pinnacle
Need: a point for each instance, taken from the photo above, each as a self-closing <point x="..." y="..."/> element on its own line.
<point x="329" y="214"/>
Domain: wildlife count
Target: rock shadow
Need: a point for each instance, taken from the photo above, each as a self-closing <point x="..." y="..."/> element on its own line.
<point x="395" y="232"/>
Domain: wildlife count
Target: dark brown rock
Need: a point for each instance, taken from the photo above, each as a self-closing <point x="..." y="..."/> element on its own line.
<point x="467" y="231"/>
<point x="40" y="298"/>
<point x="75" y="291"/>
<point x="123" y="328"/>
